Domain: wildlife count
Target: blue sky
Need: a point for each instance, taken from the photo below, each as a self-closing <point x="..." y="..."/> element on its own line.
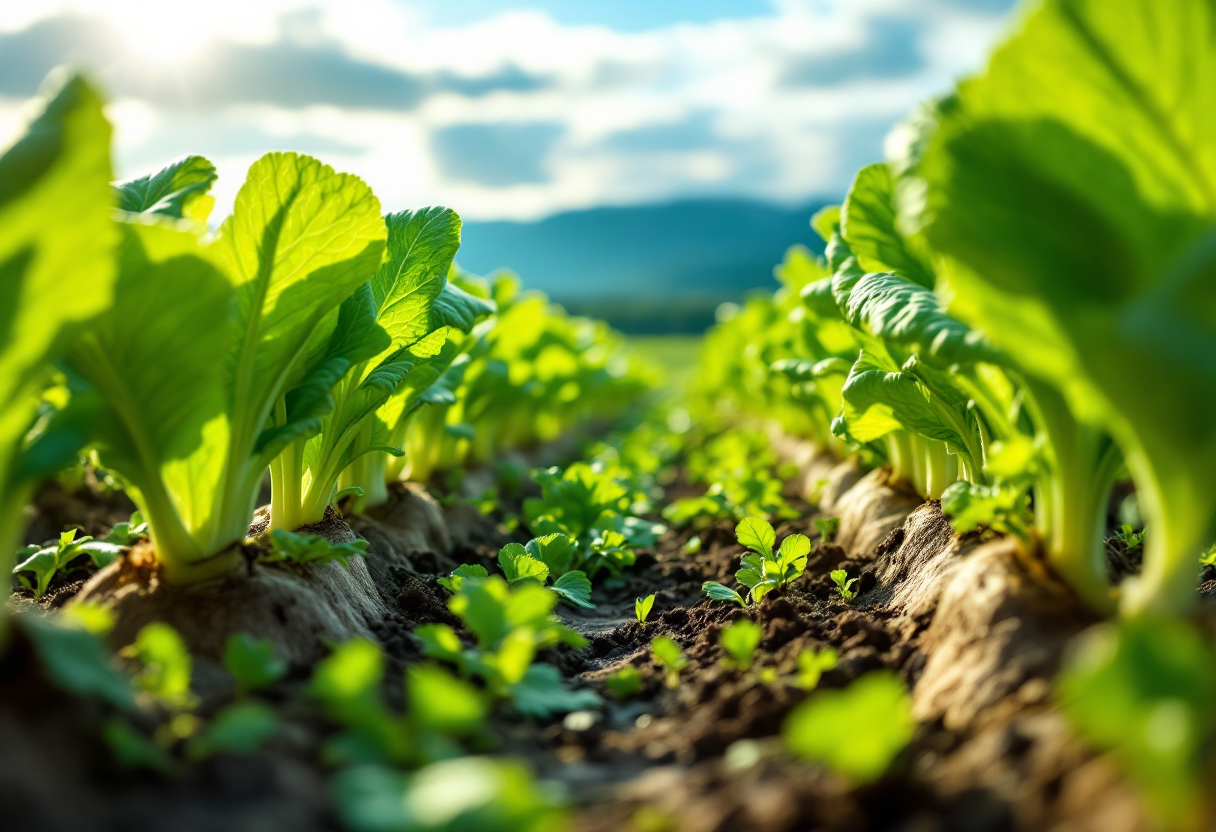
<point x="510" y="109"/>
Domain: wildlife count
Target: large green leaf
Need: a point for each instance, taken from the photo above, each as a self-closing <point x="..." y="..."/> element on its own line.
<point x="300" y="240"/>
<point x="179" y="190"/>
<point x="163" y="426"/>
<point x="899" y="311"/>
<point x="56" y="261"/>
<point x="421" y="245"/>
<point x="868" y="225"/>
<point x="1075" y="186"/>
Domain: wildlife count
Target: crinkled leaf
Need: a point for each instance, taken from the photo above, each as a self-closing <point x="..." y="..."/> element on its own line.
<point x="179" y="190"/>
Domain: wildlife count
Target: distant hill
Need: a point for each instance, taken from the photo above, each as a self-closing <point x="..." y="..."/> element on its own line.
<point x="647" y="268"/>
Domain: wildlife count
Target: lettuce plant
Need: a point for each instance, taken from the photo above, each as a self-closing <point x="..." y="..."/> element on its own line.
<point x="764" y="568"/>
<point x="57" y="269"/>
<point x="386" y="331"/>
<point x="191" y="409"/>
<point x="1073" y="186"/>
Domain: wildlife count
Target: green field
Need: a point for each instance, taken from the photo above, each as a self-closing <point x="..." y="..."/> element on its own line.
<point x="677" y="355"/>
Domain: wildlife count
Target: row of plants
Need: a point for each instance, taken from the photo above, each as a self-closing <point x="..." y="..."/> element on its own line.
<point x="1013" y="313"/>
<point x="314" y="341"/>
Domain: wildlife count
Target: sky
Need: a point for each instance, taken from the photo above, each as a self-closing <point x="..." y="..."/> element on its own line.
<point x="509" y="110"/>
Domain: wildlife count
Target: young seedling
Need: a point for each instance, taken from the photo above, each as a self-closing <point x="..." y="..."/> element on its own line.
<point x="543" y="559"/>
<point x="1208" y="558"/>
<point x="693" y="546"/>
<point x="856" y="732"/>
<point x="129" y="532"/>
<point x="740" y="641"/>
<point x="721" y="592"/>
<point x="812" y="664"/>
<point x="667" y="653"/>
<point x="252" y="663"/>
<point x="55" y="556"/>
<point x="642" y="607"/>
<point x="625" y="683"/>
<point x="299" y="548"/>
<point x="827" y="527"/>
<point x="844" y="584"/>
<point x="1131" y="538"/>
<point x="763" y="568"/>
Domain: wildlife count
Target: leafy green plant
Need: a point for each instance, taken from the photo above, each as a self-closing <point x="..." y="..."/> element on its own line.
<point x="129" y="532"/>
<point x="442" y="710"/>
<point x="293" y="547"/>
<point x="1143" y="691"/>
<point x="462" y="794"/>
<point x="740" y="640"/>
<point x="812" y="664"/>
<point x="1119" y="297"/>
<point x="857" y="732"/>
<point x="165" y="666"/>
<point x="1130" y="538"/>
<point x="540" y="560"/>
<point x="190" y="410"/>
<point x="693" y="546"/>
<point x="844" y="584"/>
<point x="763" y="569"/>
<point x="252" y="663"/>
<point x="57" y="244"/>
<point x="56" y="556"/>
<point x="642" y="607"/>
<point x="590" y="505"/>
<point x="667" y="654"/>
<point x="510" y="625"/>
<point x="624" y="683"/>
<point x="386" y="332"/>
<point x="827" y="527"/>
<point x="721" y="592"/>
<point x="1208" y="558"/>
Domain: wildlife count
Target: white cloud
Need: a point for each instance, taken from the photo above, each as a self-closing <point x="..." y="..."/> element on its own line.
<point x="752" y="128"/>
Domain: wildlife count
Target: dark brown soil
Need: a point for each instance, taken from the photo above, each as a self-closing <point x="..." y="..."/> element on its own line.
<point x="975" y="628"/>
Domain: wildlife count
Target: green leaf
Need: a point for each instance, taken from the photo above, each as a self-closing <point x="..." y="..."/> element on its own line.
<point x="160" y="376"/>
<point x="470" y="793"/>
<point x="856" y="732"/>
<point x="642" y="607"/>
<point x="1075" y="190"/>
<point x="756" y="534"/>
<point x="812" y="664"/>
<point x="574" y="587"/>
<point x="624" y="683"/>
<point x="241" y="728"/>
<point x="667" y="653"/>
<point x="792" y="556"/>
<point x="465" y="570"/>
<point x="252" y="662"/>
<point x="421" y="245"/>
<point x="347" y="682"/>
<point x="166" y="665"/>
<point x="517" y="565"/>
<point x="178" y="190"/>
<point x="721" y="592"/>
<point x="57" y="244"/>
<point x="1143" y="691"/>
<point x="898" y="311"/>
<point x="440" y="702"/>
<point x="740" y="641"/>
<point x="868" y="225"/>
<point x="77" y="661"/>
<point x="557" y="551"/>
<point x="542" y="693"/>
<point x="311" y="548"/>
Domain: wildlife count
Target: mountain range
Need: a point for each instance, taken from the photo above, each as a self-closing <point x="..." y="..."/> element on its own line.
<point x="645" y="268"/>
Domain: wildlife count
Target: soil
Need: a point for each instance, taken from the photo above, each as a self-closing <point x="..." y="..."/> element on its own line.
<point x="973" y="626"/>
